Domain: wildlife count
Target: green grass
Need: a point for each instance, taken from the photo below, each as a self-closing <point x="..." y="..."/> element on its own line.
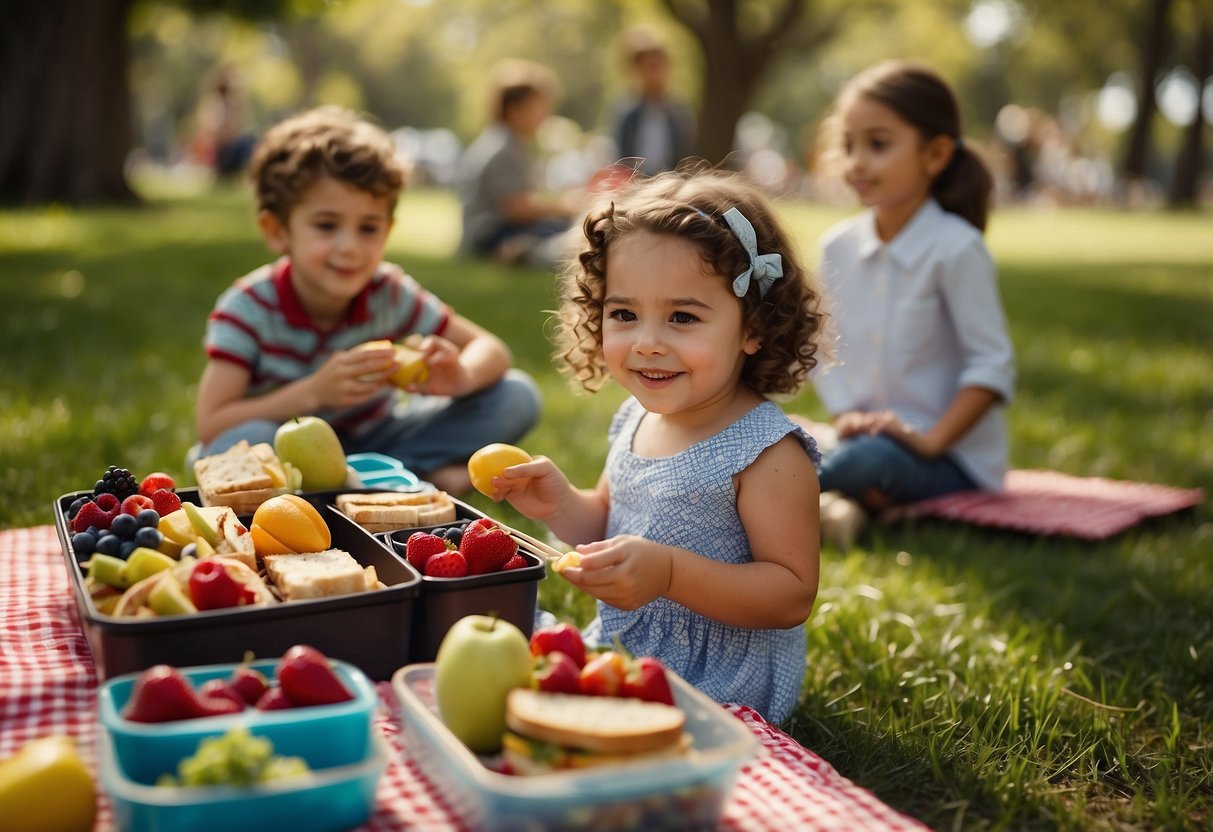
<point x="972" y="679"/>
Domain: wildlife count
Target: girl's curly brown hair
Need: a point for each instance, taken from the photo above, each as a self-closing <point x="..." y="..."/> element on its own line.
<point x="689" y="203"/>
<point x="326" y="141"/>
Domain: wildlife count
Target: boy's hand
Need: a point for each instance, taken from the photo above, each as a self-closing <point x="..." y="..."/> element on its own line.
<point x="625" y="571"/>
<point x="350" y="377"/>
<point x="447" y="377"/>
<point x="537" y="488"/>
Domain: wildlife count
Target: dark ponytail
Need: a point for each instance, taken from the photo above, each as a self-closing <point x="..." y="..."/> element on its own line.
<point x="924" y="100"/>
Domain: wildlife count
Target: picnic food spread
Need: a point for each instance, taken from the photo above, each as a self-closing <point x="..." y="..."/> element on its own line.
<point x="527" y="700"/>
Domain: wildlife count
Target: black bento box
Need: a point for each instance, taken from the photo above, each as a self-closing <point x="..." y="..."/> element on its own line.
<point x="371" y="630"/>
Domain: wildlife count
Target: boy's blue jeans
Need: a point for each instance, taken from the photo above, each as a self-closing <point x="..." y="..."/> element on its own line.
<point x="861" y="464"/>
<point x="427" y="432"/>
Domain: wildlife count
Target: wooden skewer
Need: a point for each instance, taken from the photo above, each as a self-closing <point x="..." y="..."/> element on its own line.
<point x="546" y="550"/>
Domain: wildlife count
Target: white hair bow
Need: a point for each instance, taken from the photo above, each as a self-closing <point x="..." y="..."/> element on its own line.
<point x="764" y="268"/>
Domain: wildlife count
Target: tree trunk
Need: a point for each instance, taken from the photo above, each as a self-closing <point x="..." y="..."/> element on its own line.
<point x="1156" y="35"/>
<point x="734" y="63"/>
<point x="65" y="103"/>
<point x="1185" y="187"/>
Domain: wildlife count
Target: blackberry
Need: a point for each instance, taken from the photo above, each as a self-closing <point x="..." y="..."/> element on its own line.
<point x="117" y="481"/>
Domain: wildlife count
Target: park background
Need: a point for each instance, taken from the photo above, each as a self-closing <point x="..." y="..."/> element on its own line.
<point x="972" y="679"/>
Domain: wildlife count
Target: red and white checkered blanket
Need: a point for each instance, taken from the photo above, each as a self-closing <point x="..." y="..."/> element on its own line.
<point x="48" y="686"/>
<point x="1053" y="503"/>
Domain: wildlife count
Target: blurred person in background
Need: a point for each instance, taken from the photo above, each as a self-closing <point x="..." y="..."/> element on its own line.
<point x="652" y="130"/>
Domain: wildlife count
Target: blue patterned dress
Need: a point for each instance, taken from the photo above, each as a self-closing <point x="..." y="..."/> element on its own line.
<point x="688" y="500"/>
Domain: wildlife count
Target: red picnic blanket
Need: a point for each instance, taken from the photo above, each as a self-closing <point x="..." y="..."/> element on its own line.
<point x="48" y="686"/>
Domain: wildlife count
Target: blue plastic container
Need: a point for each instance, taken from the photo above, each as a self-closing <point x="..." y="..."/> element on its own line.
<point x="328" y="800"/>
<point x="323" y="735"/>
<point x="382" y="471"/>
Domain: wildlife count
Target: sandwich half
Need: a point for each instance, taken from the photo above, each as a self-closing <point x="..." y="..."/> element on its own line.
<point x="558" y="731"/>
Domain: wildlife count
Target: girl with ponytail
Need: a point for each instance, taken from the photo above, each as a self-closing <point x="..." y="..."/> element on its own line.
<point x="924" y="360"/>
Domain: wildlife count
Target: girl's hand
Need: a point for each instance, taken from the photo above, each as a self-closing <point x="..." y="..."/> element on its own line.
<point x="537" y="488"/>
<point x="625" y="571"/>
<point x="350" y="377"/>
<point x="447" y="376"/>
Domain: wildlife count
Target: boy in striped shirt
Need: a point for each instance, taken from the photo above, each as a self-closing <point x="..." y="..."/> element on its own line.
<point x="280" y="340"/>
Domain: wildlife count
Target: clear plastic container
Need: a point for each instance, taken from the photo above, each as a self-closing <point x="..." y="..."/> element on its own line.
<point x="324" y="735"/>
<point x="330" y="799"/>
<point x="684" y="793"/>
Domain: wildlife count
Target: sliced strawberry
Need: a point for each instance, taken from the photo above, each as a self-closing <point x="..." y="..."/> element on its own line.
<point x="156" y="481"/>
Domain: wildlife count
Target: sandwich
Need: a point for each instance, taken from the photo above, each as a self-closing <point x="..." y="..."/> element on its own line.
<point x="389" y="510"/>
<point x="551" y="732"/>
<point x="319" y="574"/>
<point x="242" y="477"/>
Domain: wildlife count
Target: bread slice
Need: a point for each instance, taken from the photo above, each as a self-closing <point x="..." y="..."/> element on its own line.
<point x="601" y="724"/>
<point x="389" y="510"/>
<point x="315" y="574"/>
<point x="238" y="477"/>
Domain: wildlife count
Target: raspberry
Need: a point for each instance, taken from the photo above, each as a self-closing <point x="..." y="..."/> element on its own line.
<point x="117" y="481"/>
<point x="156" y="481"/>
<point x="447" y="565"/>
<point x="516" y="562"/>
<point x="91" y="514"/>
<point x="421" y="546"/>
<point x="165" y="501"/>
<point x="108" y="502"/>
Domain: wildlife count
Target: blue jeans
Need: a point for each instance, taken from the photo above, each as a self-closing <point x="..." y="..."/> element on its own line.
<point x="860" y="465"/>
<point x="427" y="432"/>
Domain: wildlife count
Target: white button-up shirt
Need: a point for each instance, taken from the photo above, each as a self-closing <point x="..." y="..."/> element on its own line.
<point x="918" y="319"/>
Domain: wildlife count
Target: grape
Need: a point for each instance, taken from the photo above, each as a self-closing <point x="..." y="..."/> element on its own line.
<point x="149" y="537"/>
<point x="237" y="758"/>
<point x="124" y="525"/>
<point x="108" y="544"/>
<point x="84" y="543"/>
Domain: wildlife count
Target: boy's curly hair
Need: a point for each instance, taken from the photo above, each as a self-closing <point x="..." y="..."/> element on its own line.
<point x="788" y="319"/>
<point x="326" y="141"/>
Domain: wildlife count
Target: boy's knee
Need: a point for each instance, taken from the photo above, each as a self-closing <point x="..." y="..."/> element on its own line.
<point x="857" y="468"/>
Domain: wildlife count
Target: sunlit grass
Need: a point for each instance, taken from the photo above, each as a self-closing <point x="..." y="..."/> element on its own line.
<point x="972" y="679"/>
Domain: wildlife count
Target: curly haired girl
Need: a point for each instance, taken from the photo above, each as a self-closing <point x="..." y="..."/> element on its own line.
<point x="700" y="539"/>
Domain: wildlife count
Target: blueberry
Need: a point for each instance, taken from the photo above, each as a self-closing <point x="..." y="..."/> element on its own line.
<point x="124" y="525"/>
<point x="440" y="532"/>
<point x="108" y="544"/>
<point x="149" y="537"/>
<point x="455" y="536"/>
<point x="125" y="548"/>
<point x="84" y="543"/>
<point x="148" y="517"/>
<point x="76" y="505"/>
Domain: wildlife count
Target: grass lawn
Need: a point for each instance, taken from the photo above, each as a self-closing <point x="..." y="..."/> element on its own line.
<point x="972" y="679"/>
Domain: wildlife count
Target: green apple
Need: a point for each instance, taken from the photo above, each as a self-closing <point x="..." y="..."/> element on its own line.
<point x="108" y="570"/>
<point x="311" y="446"/>
<point x="480" y="660"/>
<point x="143" y="563"/>
<point x="169" y="598"/>
<point x="204" y="527"/>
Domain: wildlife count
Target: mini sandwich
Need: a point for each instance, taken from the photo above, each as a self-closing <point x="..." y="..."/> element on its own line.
<point x="242" y="477"/>
<point x="390" y="510"/>
<point x="557" y="731"/>
<point x="318" y="574"/>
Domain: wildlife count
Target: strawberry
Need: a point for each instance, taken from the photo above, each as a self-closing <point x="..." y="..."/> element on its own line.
<point x="249" y="683"/>
<point x="154" y="482"/>
<point x="486" y="547"/>
<point x="603" y="674"/>
<point x="274" y="700"/>
<point x="516" y="562"/>
<point x="421" y="546"/>
<point x="556" y="673"/>
<point x="136" y="503"/>
<point x="645" y="678"/>
<point x="559" y="638"/>
<point x="218" y="689"/>
<point x="307" y="678"/>
<point x="447" y="565"/>
<point x="91" y="514"/>
<point x="165" y="501"/>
